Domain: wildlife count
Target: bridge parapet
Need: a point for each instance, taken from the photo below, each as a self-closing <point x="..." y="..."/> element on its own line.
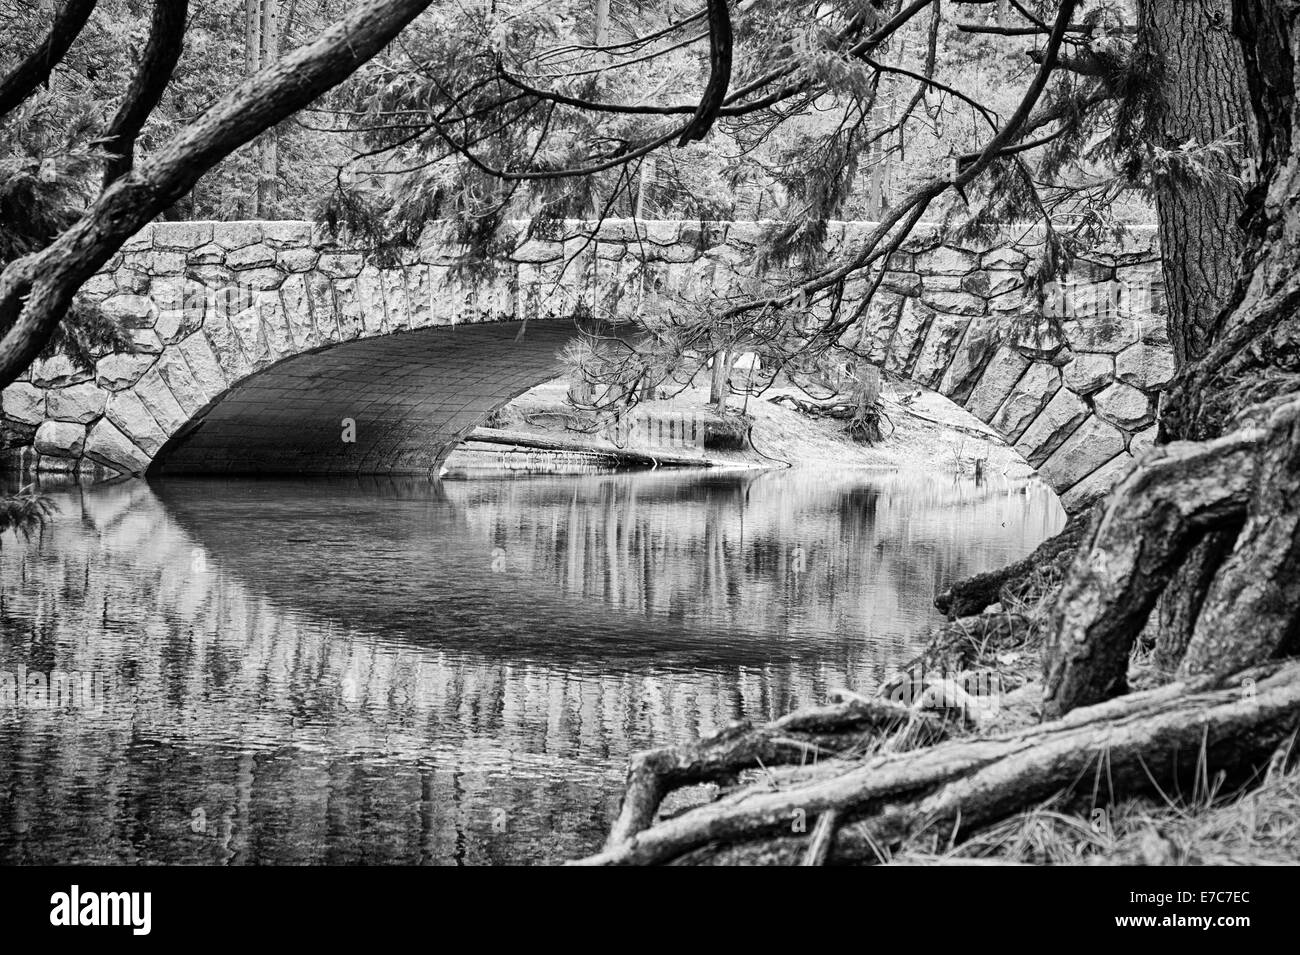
<point x="1073" y="384"/>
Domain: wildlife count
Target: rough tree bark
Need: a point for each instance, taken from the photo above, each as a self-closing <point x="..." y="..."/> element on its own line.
<point x="799" y="738"/>
<point x="1155" y="741"/>
<point x="262" y="48"/>
<point x="1145" y="529"/>
<point x="166" y="36"/>
<point x="1198" y="77"/>
<point x="715" y="92"/>
<point x="1238" y="405"/>
<point x="1235" y="468"/>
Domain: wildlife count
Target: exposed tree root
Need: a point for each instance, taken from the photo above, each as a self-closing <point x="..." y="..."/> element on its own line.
<point x="1051" y="557"/>
<point x="1253" y="604"/>
<point x="1156" y="741"/>
<point x="806" y="736"/>
<point x="1180" y="604"/>
<point x="1150" y="526"/>
<point x="1147" y="525"/>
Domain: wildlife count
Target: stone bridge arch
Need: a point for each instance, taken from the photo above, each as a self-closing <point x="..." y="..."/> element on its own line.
<point x="254" y="340"/>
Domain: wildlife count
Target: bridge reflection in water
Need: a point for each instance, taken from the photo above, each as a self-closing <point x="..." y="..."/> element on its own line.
<point x="378" y="671"/>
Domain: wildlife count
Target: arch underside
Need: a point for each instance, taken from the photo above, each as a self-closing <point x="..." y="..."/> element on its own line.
<point x="410" y="398"/>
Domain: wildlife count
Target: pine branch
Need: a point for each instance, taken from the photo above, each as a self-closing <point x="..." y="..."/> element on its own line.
<point x="36" y="69"/>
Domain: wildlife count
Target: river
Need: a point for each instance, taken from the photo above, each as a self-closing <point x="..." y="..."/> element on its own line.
<point x="389" y="671"/>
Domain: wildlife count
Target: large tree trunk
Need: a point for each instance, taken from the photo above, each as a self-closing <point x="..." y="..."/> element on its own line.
<point x="1238" y="405"/>
<point x="1199" y="80"/>
<point x="261" y="49"/>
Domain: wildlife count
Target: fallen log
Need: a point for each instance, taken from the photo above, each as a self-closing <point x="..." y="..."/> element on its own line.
<point x="1162" y="740"/>
<point x="527" y="440"/>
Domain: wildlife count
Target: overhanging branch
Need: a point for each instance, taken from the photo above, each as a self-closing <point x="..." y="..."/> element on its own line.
<point x="719" y="73"/>
<point x="36" y="69"/>
<point x="166" y="35"/>
<point x="54" y="274"/>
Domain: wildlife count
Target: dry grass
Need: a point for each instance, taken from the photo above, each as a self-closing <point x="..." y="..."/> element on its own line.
<point x="1207" y="826"/>
<point x="1260" y="825"/>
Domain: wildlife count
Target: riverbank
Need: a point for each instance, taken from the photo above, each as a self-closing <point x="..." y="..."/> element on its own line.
<point x="539" y="432"/>
<point x="965" y="706"/>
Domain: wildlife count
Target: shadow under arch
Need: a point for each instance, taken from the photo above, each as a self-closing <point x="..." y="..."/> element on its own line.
<point x="395" y="404"/>
<point x="422" y="572"/>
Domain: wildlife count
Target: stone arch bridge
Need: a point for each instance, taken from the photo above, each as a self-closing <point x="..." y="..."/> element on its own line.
<point x="254" y="341"/>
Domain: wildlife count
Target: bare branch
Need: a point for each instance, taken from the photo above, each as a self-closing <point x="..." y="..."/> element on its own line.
<point x="166" y="35"/>
<point x="1036" y="30"/>
<point x="719" y="73"/>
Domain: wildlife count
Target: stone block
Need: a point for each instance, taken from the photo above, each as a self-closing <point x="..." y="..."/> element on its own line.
<point x="236" y="235"/>
<point x="204" y="365"/>
<point x="941" y="339"/>
<point x="1092" y="444"/>
<point x="165" y="263"/>
<point x="23" y="402"/>
<point x="324" y="310"/>
<point x="996" y="384"/>
<point x="297" y="260"/>
<point x="1092" y="488"/>
<point x="1004" y="258"/>
<point x="1089" y="372"/>
<point x="1144" y="366"/>
<point x="339" y="265"/>
<point x="1142" y="441"/>
<point x="297" y="311"/>
<point x="81" y="403"/>
<point x="117" y="371"/>
<point x="947" y="261"/>
<point x="257" y="256"/>
<point x="1034" y="390"/>
<point x="189" y="394"/>
<point x="1052" y="426"/>
<point x="128" y="412"/>
<point x="182" y="236"/>
<point x="1124" y="406"/>
<point x="968" y="360"/>
<point x="397" y="315"/>
<point x="210" y="254"/>
<point x="58" y="371"/>
<point x="287" y="233"/>
<point x="109" y="446"/>
<point x="228" y="347"/>
<point x="130" y="310"/>
<point x="954" y="303"/>
<point x="1109" y="333"/>
<point x="153" y="391"/>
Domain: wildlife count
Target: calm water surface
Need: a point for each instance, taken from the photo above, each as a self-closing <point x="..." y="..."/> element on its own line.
<point x="455" y="673"/>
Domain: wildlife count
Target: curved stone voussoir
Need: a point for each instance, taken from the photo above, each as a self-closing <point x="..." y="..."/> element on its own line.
<point x="253" y="342"/>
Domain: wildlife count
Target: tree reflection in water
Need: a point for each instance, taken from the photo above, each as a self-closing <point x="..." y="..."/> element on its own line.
<point x="389" y="671"/>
